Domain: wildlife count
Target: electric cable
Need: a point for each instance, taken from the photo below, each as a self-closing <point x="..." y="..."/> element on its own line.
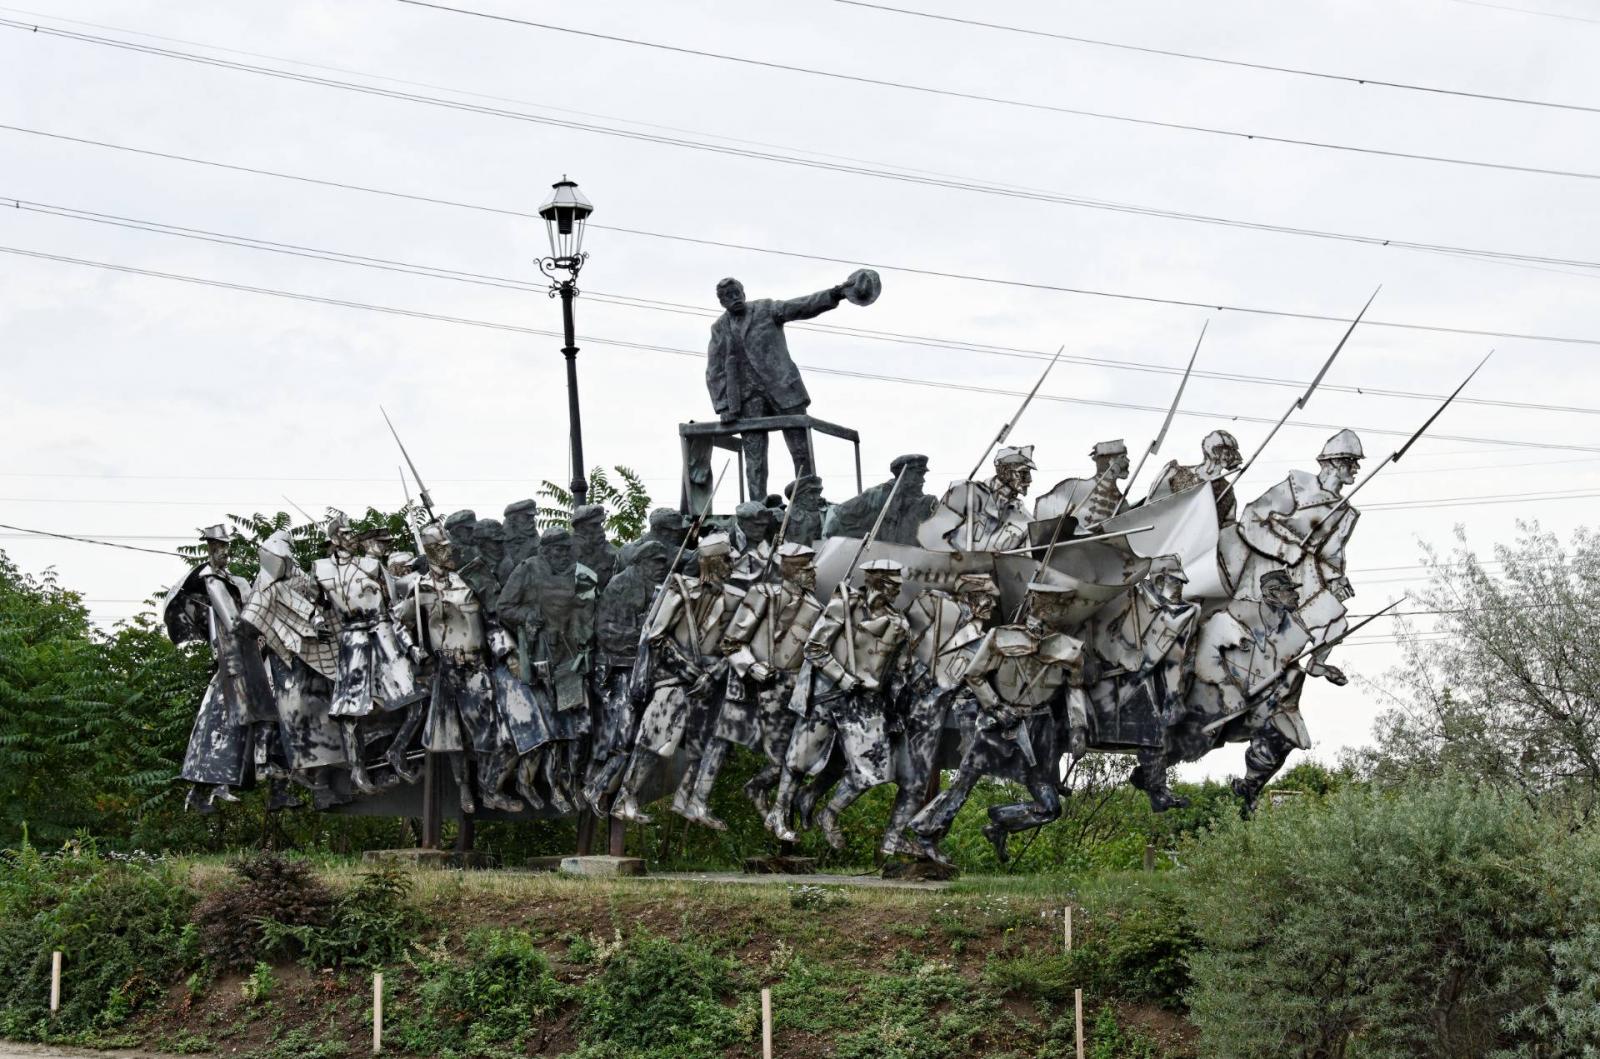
<point x="89" y="540"/>
<point x="1376" y="82"/>
<point x="852" y="262"/>
<point x="628" y="301"/>
<point x="1007" y="101"/>
<point x="1527" y="11"/>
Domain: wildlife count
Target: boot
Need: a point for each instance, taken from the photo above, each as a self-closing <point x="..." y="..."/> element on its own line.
<point x="997" y="836"/>
<point x="625" y="807"/>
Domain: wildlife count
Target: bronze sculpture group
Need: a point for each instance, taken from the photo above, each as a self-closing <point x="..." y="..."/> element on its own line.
<point x="893" y="637"/>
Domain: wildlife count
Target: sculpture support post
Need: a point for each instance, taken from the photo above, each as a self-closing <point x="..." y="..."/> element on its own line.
<point x="580" y="485"/>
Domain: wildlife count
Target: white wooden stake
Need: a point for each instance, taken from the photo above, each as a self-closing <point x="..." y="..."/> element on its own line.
<point x="1077" y="1002"/>
<point x="1066" y="928"/>
<point x="55" y="981"/>
<point x="377" y="1013"/>
<point x="766" y="1024"/>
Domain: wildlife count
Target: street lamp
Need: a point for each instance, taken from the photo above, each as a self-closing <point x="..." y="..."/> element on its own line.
<point x="566" y="213"/>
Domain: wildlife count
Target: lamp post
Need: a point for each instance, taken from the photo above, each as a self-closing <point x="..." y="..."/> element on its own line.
<point x="565" y="214"/>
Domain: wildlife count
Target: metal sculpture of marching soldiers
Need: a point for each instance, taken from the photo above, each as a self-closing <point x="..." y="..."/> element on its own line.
<point x="988" y="516"/>
<point x="681" y="676"/>
<point x="377" y="659"/>
<point x="1089" y="501"/>
<point x="463" y="715"/>
<point x="1019" y="674"/>
<point x="282" y="610"/>
<point x="205" y="605"/>
<point x="1247" y="682"/>
<point x="750" y="374"/>
<point x="897" y="507"/>
<point x="1219" y="453"/>
<point x="765" y="644"/>
<point x="619" y="620"/>
<point x="945" y="631"/>
<point x="853" y="650"/>
<point x="1273" y="533"/>
<point x="1142" y="650"/>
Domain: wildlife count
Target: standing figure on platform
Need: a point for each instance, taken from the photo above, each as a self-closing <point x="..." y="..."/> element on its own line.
<point x="619" y="621"/>
<point x="205" y="605"/>
<point x="853" y="650"/>
<point x="463" y="715"/>
<point x="946" y="632"/>
<point x="1018" y="673"/>
<point x="765" y="644"/>
<point x="749" y="371"/>
<point x="682" y="678"/>
<point x="987" y="516"/>
<point x="377" y="659"/>
<point x="1089" y="501"/>
<point x="1219" y="454"/>
<point x="1245" y="671"/>
<point x="282" y="610"/>
<point x="1142" y="646"/>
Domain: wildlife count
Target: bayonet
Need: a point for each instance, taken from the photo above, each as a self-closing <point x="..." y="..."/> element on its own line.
<point x="1155" y="446"/>
<point x="655" y="604"/>
<point x="422" y="490"/>
<point x="298" y="508"/>
<point x="416" y="537"/>
<point x="1005" y="431"/>
<point x="1300" y="402"/>
<point x="1393" y="457"/>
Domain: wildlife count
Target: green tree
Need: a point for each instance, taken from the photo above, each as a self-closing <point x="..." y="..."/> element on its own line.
<point x="627" y="505"/>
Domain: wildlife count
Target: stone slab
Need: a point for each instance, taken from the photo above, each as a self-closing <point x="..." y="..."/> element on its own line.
<point x="544" y="863"/>
<point x="602" y="867"/>
<point x="919" y="870"/>
<point x="778" y="864"/>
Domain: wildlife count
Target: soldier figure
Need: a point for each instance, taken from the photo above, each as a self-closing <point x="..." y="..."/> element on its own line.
<point x="376" y="659"/>
<point x="749" y="371"/>
<point x="806" y="509"/>
<point x="520" y="537"/>
<point x="1089" y="501"/>
<point x="945" y="632"/>
<point x="853" y="650"/>
<point x="1142" y="646"/>
<point x="667" y="528"/>
<point x="989" y="516"/>
<point x="206" y="604"/>
<point x="685" y="660"/>
<point x="463" y="714"/>
<point x="619" y="622"/>
<point x="1017" y="673"/>
<point x="1245" y="673"/>
<point x="765" y="644"/>
<point x="752" y="534"/>
<point x="1219" y="455"/>
<point x="590" y="545"/>
<point x="909" y="509"/>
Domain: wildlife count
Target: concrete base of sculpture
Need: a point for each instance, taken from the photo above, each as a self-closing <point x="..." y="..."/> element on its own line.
<point x="544" y="863"/>
<point x="919" y="871"/>
<point x="780" y="864"/>
<point x="426" y="858"/>
<point x="602" y="867"/>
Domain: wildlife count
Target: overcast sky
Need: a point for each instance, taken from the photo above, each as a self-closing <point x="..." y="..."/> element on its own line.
<point x="141" y="407"/>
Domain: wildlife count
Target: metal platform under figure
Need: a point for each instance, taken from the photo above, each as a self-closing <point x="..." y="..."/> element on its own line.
<point x="699" y="438"/>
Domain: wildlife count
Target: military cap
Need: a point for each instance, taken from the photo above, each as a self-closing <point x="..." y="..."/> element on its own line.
<point x="666" y="518"/>
<point x="517" y="507"/>
<point x="713" y="544"/>
<point x="750" y="508"/>
<point x="218" y="533"/>
<point x="457" y="518"/>
<point x="1277" y="579"/>
<point x="1167" y="566"/>
<point x="977" y="583"/>
<point x="1343" y="445"/>
<point x="588" y="512"/>
<point x="1015" y="454"/>
<point x="277" y="544"/>
<point x="1219" y="439"/>
<point x="790" y="551"/>
<point x="883" y="566"/>
<point x="1044" y="588"/>
<point x="1106" y="449"/>
<point x="646" y="549"/>
<point x="913" y="459"/>
<point x="554" y="535"/>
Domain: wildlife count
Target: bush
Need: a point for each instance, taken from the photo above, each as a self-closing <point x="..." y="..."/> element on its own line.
<point x="659" y="999"/>
<point x="266" y="888"/>
<point x="1361" y="924"/>
<point x="370" y="925"/>
<point x="121" y="928"/>
<point x="493" y="999"/>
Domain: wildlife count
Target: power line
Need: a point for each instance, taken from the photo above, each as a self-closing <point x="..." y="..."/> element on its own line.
<point x="800" y="255"/>
<point x="1218" y="60"/>
<point x="1006" y="101"/>
<point x="652" y="347"/>
<point x="878" y="170"/>
<point x="628" y="301"/>
<point x="1527" y="11"/>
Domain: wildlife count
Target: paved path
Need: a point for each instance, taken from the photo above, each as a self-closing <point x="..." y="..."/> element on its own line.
<point x="865" y="882"/>
<point x="11" y="1050"/>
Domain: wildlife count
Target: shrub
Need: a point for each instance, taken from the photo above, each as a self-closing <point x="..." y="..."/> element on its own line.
<point x="1363" y="924"/>
<point x="120" y="926"/>
<point x="266" y="888"/>
<point x="494" y="998"/>
<point x="659" y="999"/>
<point x="370" y="925"/>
